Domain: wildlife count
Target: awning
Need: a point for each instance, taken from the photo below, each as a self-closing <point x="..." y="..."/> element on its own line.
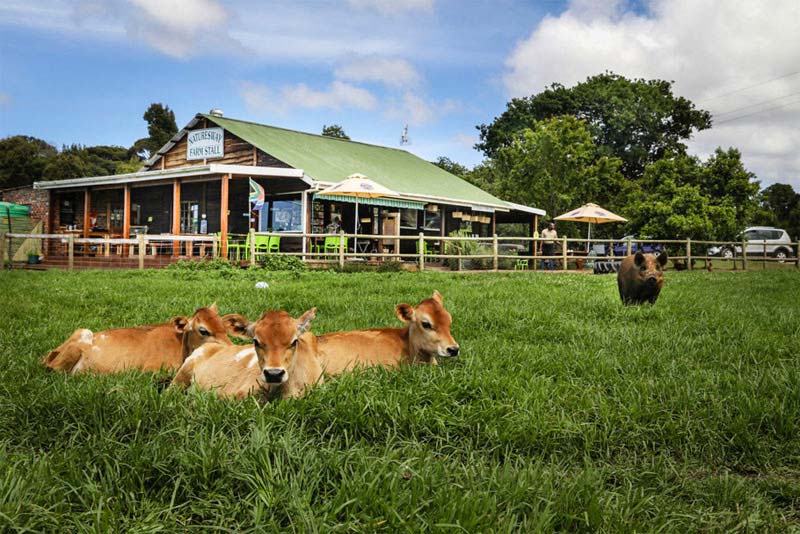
<point x="387" y="202"/>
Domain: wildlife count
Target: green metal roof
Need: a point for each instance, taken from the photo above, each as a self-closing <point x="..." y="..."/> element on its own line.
<point x="328" y="159"/>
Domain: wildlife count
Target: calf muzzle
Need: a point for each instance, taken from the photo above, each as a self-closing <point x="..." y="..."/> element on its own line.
<point x="274" y="375"/>
<point x="453" y="350"/>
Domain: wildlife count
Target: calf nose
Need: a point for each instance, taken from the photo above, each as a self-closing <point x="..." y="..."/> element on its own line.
<point x="274" y="375"/>
<point x="453" y="351"/>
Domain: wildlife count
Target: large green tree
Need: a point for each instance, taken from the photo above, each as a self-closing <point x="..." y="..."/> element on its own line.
<point x="780" y="206"/>
<point x="443" y="162"/>
<point x="639" y="121"/>
<point x="161" y="126"/>
<point x="23" y="159"/>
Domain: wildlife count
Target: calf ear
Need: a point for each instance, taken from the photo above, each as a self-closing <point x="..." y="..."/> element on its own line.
<point x="662" y="258"/>
<point x="304" y="321"/>
<point x="404" y="312"/>
<point x="236" y="325"/>
<point x="214" y="308"/>
<point x="638" y="259"/>
<point x="438" y="297"/>
<point x="179" y="323"/>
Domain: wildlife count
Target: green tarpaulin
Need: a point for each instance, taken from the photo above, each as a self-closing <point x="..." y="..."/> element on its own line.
<point x="7" y="209"/>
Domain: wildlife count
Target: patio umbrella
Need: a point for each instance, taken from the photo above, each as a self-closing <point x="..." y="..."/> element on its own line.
<point x="592" y="214"/>
<point x="358" y="186"/>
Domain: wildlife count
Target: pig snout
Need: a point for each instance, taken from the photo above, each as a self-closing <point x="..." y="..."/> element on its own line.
<point x="652" y="281"/>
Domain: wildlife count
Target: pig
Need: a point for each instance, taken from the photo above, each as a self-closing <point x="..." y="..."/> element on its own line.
<point x="640" y="278"/>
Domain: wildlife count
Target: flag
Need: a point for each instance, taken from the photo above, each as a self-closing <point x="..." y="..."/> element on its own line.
<point x="256" y="195"/>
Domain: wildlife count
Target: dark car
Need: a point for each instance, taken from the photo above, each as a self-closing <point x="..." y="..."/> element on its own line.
<point x="620" y="248"/>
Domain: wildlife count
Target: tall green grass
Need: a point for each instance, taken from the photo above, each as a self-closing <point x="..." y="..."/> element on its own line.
<point x="565" y="412"/>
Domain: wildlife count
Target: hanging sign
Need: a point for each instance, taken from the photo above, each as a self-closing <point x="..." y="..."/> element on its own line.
<point x="205" y="144"/>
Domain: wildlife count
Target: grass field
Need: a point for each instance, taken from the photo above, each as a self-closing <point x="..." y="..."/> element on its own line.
<point x="565" y="411"/>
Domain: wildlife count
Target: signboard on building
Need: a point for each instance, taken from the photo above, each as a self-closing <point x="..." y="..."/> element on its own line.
<point x="205" y="144"/>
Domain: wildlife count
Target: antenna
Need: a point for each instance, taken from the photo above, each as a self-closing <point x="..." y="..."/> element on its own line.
<point x="404" y="140"/>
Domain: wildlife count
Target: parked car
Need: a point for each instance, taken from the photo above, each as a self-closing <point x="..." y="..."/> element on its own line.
<point x="620" y="247"/>
<point x="777" y="241"/>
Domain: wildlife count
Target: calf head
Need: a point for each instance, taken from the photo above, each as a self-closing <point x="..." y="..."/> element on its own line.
<point x="648" y="272"/>
<point x="276" y="337"/>
<point x="206" y="326"/>
<point x="428" y="328"/>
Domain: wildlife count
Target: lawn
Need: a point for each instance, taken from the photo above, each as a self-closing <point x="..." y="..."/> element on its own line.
<point x="565" y="410"/>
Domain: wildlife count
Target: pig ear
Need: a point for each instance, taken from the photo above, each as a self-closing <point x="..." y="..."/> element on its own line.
<point x="437" y="297"/>
<point x="236" y="325"/>
<point x="404" y="312"/>
<point x="662" y="258"/>
<point x="179" y="323"/>
<point x="304" y="321"/>
<point x="638" y="259"/>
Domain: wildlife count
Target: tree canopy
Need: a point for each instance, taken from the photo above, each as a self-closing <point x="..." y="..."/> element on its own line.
<point x="23" y="159"/>
<point x="334" y="130"/>
<point x="161" y="126"/>
<point x="638" y="121"/>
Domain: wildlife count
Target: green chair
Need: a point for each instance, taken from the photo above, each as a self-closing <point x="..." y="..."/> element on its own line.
<point x="521" y="265"/>
<point x="331" y="245"/>
<point x="236" y="251"/>
<point x="261" y="244"/>
<point x="274" y="243"/>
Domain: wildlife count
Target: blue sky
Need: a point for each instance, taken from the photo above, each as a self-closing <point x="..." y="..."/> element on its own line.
<point x="84" y="71"/>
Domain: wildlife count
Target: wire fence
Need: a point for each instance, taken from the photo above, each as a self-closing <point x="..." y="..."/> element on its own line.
<point x="454" y="252"/>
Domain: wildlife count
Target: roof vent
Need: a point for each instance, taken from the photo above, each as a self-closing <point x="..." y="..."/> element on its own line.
<point x="215" y="112"/>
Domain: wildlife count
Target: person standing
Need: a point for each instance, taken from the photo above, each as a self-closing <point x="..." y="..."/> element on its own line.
<point x="549" y="235"/>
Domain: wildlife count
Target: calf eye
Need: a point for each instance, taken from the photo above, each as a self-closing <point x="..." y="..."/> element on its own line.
<point x="427" y="325"/>
<point x="256" y="343"/>
<point x="204" y="332"/>
<point x="294" y="343"/>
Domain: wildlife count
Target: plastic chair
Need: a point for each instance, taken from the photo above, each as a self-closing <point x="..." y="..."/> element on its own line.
<point x="521" y="265"/>
<point x="261" y="244"/>
<point x="331" y="245"/>
<point x="274" y="243"/>
<point x="241" y="250"/>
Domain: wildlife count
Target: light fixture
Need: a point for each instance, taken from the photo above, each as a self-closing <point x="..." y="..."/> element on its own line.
<point x="457" y="214"/>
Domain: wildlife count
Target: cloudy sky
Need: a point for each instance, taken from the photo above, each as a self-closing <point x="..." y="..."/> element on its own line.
<point x="84" y="71"/>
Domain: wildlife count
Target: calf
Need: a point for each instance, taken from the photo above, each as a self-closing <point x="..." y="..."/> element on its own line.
<point x="425" y="338"/>
<point x="281" y="363"/>
<point x="147" y="348"/>
<point x="640" y="278"/>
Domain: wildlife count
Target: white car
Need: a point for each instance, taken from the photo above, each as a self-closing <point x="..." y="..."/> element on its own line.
<point x="777" y="241"/>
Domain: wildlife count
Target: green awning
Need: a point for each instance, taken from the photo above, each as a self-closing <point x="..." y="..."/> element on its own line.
<point x="387" y="202"/>
<point x="14" y="210"/>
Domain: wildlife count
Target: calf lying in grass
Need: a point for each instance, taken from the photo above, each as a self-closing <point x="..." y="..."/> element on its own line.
<point x="147" y="348"/>
<point x="425" y="338"/>
<point x="281" y="363"/>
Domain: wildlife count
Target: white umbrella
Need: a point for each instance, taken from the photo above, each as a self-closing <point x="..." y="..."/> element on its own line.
<point x="593" y="214"/>
<point x="358" y="186"/>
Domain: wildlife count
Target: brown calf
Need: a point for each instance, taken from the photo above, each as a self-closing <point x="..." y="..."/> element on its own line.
<point x="281" y="363"/>
<point x="147" y="348"/>
<point x="425" y="338"/>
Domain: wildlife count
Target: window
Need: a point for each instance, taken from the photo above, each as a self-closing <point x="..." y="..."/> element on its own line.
<point x="433" y="220"/>
<point x="408" y="218"/>
<point x="281" y="216"/>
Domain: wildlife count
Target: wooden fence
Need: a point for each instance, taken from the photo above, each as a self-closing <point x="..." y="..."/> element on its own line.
<point x="455" y="252"/>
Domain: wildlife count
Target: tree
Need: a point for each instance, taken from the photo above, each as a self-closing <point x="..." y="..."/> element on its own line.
<point x="334" y="130"/>
<point x="161" y="126"/>
<point x="726" y="180"/>
<point x="451" y="166"/>
<point x="780" y="206"/>
<point x="638" y="121"/>
<point x="555" y="166"/>
<point x="67" y="164"/>
<point x="23" y="159"/>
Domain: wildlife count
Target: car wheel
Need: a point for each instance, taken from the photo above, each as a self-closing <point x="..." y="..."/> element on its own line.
<point x="726" y="253"/>
<point x="781" y="255"/>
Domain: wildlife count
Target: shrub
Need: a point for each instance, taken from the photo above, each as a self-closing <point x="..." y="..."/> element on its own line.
<point x="466" y="247"/>
<point x="276" y="262"/>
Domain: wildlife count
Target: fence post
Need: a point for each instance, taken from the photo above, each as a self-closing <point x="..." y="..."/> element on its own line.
<point x="142" y="249"/>
<point x="252" y="241"/>
<point x="535" y="253"/>
<point x="689" y="253"/>
<point x="214" y="245"/>
<point x="71" y="251"/>
<point x="494" y="246"/>
<point x="630" y="247"/>
<point x="797" y="256"/>
<point x="341" y="249"/>
<point x="564" y="255"/>
<point x="2" y="250"/>
<point x="421" y="248"/>
<point x="764" y="257"/>
<point x="744" y="255"/>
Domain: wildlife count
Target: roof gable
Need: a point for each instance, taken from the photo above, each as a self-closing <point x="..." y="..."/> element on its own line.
<point x="328" y="159"/>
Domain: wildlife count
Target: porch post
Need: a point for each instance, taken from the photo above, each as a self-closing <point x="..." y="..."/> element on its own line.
<point x="176" y="215"/>
<point x="87" y="206"/>
<point x="306" y="220"/>
<point x="126" y="217"/>
<point x="223" y="214"/>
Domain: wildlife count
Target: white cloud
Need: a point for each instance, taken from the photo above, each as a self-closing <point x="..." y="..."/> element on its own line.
<point x="707" y="48"/>
<point x="337" y="96"/>
<point x="413" y="109"/>
<point x="465" y="140"/>
<point x="393" y="72"/>
<point x="393" y="6"/>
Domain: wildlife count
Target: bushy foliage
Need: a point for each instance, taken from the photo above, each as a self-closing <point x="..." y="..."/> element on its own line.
<point x="466" y="247"/>
<point x="277" y="262"/>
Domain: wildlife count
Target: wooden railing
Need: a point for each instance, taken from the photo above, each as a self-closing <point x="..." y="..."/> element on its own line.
<point x="458" y="252"/>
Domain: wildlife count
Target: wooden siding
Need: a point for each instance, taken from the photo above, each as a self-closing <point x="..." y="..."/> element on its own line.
<point x="237" y="152"/>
